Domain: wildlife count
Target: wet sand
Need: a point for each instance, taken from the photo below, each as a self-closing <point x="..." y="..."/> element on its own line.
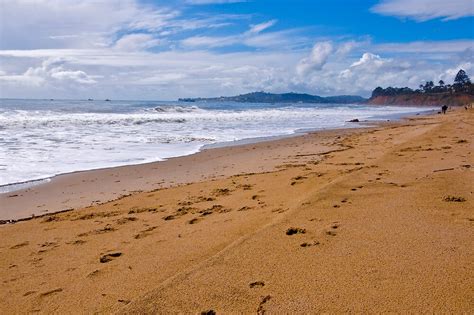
<point x="375" y="220"/>
<point x="81" y="189"/>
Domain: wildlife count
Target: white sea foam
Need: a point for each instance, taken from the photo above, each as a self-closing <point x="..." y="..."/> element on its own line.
<point x="38" y="141"/>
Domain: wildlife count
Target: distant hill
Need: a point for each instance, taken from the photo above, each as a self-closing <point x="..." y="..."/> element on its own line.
<point x="263" y="97"/>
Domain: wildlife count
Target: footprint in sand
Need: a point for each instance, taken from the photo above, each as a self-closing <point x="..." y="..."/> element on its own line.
<point x="255" y="197"/>
<point x="145" y="232"/>
<point x="48" y="293"/>
<point x="91" y="216"/>
<point x="108" y="228"/>
<point x="454" y="199"/>
<point x="93" y="273"/>
<point x="76" y="242"/>
<point x="244" y="186"/>
<point x="256" y="284"/>
<point x="305" y="244"/>
<point x="109" y="257"/>
<point x="135" y="210"/>
<point x="245" y="208"/>
<point x="221" y="192"/>
<point x="265" y="299"/>
<point x="169" y="217"/>
<point x="20" y="245"/>
<point x="50" y="218"/>
<point x="193" y="221"/>
<point x="126" y="220"/>
<point x="293" y="230"/>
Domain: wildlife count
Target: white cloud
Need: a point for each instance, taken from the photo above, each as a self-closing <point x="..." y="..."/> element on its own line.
<point x="281" y="40"/>
<point x="210" y="41"/>
<point x="55" y="24"/>
<point x="346" y="48"/>
<point x="317" y="59"/>
<point x="134" y="42"/>
<point x="370" y="62"/>
<point x="68" y="75"/>
<point x="255" y="29"/>
<point x="201" y="2"/>
<point x="87" y="24"/>
<point x="423" y="10"/>
<point x="51" y="69"/>
<point x="427" y="46"/>
<point x="251" y="38"/>
<point x="450" y="73"/>
<point x="102" y="49"/>
<point x="105" y="72"/>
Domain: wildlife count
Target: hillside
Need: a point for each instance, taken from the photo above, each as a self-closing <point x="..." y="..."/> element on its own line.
<point x="263" y="97"/>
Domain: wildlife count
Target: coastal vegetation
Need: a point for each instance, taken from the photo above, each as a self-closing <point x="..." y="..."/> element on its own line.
<point x="460" y="92"/>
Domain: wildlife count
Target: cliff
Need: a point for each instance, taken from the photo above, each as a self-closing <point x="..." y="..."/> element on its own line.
<point x="422" y="99"/>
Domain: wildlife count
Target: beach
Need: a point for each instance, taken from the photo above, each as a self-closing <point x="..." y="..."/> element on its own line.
<point x="375" y="219"/>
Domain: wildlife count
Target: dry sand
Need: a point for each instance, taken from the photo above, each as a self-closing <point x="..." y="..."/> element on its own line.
<point x="377" y="220"/>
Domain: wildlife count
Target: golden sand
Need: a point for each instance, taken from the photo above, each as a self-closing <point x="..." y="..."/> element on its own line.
<point x="375" y="220"/>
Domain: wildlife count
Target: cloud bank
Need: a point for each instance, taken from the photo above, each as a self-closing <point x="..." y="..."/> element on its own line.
<point x="423" y="10"/>
<point x="131" y="50"/>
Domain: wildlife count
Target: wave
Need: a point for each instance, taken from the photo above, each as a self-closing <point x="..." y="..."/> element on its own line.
<point x="176" y="109"/>
<point x="175" y="114"/>
<point x="36" y="143"/>
<point x="54" y="119"/>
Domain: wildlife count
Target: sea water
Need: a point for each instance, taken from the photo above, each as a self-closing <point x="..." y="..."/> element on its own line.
<point x="42" y="138"/>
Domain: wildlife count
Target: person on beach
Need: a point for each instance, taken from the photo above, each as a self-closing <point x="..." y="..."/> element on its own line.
<point x="444" y="109"/>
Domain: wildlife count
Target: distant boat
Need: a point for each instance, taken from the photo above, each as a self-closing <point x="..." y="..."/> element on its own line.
<point x="107" y="100"/>
<point x="90" y="99"/>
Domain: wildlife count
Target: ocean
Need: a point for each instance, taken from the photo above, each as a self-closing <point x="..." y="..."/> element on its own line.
<point x="43" y="138"/>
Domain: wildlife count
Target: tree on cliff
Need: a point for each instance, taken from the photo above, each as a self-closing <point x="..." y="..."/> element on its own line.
<point x="462" y="83"/>
<point x="428" y="86"/>
<point x="377" y="92"/>
<point x="462" y="78"/>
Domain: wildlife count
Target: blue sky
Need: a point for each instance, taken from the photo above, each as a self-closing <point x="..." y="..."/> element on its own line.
<point x="344" y="18"/>
<point x="137" y="49"/>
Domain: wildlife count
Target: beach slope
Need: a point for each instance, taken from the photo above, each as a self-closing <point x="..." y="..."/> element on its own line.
<point x="374" y="220"/>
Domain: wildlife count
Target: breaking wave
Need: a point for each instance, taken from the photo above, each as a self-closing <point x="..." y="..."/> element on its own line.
<point x="41" y="138"/>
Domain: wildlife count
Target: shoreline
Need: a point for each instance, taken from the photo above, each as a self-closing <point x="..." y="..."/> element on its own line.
<point x="32" y="188"/>
<point x="15" y="186"/>
<point x="280" y="226"/>
<point x="17" y="198"/>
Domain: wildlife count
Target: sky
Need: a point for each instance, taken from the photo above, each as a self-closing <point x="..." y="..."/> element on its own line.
<point x="163" y="50"/>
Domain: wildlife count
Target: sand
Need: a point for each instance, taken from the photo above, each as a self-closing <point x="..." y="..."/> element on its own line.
<point x="375" y="220"/>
